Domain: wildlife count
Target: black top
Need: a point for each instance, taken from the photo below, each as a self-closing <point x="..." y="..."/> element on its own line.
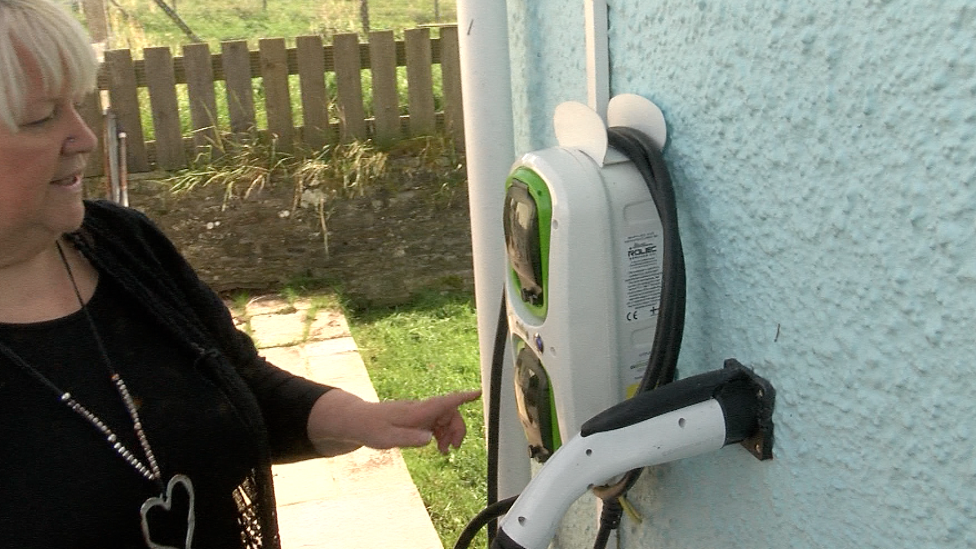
<point x="211" y="407"/>
<point x="72" y="489"/>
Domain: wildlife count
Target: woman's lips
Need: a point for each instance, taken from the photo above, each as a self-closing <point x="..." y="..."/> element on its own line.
<point x="67" y="181"/>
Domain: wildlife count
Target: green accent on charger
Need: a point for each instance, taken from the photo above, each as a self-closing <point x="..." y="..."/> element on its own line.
<point x="535" y="402"/>
<point x="527" y="218"/>
<point x="557" y="439"/>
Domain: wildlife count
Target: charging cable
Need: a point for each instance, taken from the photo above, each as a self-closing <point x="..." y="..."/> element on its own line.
<point x="662" y="363"/>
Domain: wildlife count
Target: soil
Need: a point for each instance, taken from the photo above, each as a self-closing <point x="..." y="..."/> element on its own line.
<point x="407" y="232"/>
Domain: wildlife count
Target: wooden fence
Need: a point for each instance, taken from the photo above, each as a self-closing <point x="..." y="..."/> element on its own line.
<point x="268" y="70"/>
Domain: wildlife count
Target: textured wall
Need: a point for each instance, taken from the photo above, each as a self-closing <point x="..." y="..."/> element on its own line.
<point x="547" y="45"/>
<point x="824" y="155"/>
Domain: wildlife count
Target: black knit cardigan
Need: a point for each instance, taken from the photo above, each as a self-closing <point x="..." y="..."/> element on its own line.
<point x="126" y="246"/>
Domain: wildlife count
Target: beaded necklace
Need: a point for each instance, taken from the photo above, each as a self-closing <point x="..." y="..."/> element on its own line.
<point x="148" y="469"/>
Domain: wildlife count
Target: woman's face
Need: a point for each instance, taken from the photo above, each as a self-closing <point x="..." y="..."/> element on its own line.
<point x="41" y="167"/>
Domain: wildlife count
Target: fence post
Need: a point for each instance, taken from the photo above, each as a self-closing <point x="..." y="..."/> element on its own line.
<point x="420" y="83"/>
<point x="451" y="86"/>
<point x="124" y="99"/>
<point x="277" y="100"/>
<point x="383" y="66"/>
<point x="349" y="86"/>
<point x="236" y="64"/>
<point x="161" y="82"/>
<point x="315" y="102"/>
<point x="198" y="65"/>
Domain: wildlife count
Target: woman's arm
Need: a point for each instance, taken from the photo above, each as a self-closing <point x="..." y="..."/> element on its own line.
<point x="341" y="422"/>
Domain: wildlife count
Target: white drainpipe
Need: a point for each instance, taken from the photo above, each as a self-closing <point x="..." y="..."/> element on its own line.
<point x="597" y="56"/>
<point x="490" y="151"/>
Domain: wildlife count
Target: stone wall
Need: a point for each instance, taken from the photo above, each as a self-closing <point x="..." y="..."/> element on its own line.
<point x="383" y="247"/>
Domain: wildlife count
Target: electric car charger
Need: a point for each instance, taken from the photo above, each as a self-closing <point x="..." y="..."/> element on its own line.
<point x="662" y="362"/>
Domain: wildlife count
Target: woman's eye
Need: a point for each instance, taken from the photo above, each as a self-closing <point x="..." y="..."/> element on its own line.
<point x="42" y="119"/>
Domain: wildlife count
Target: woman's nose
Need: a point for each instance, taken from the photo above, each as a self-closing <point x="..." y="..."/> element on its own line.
<point x="80" y="138"/>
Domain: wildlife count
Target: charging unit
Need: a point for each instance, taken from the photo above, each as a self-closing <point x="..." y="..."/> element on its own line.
<point x="593" y="314"/>
<point x="584" y="243"/>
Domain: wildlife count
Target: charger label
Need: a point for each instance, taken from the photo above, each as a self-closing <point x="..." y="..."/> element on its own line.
<point x="642" y="282"/>
<point x="640" y="299"/>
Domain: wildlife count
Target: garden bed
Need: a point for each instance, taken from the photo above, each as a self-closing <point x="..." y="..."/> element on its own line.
<point x="406" y="232"/>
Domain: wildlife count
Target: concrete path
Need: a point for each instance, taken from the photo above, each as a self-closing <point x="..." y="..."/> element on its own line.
<point x="362" y="500"/>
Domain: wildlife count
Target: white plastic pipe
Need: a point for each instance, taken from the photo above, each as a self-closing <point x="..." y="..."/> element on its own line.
<point x="490" y="151"/>
<point x="597" y="56"/>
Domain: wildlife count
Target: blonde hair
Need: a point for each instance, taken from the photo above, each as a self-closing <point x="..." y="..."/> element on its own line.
<point x="42" y="33"/>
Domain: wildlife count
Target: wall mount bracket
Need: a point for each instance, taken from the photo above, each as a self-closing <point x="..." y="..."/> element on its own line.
<point x="760" y="444"/>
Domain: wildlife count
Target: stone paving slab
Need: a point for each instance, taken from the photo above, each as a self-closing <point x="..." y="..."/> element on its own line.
<point x="278" y="330"/>
<point x="268" y="304"/>
<point x="364" y="499"/>
<point x="364" y="525"/>
<point x="328" y="325"/>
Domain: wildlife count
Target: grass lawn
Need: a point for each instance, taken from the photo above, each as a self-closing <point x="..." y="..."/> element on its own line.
<point x="423" y="349"/>
<point x="140" y="23"/>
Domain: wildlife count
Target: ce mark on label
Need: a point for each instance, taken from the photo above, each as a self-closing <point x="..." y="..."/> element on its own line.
<point x="640" y="314"/>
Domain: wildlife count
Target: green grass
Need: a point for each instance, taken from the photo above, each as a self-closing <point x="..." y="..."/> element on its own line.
<point x="426" y="348"/>
<point x="140" y="23"/>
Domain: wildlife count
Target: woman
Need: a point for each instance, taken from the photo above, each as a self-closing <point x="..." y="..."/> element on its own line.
<point x="132" y="412"/>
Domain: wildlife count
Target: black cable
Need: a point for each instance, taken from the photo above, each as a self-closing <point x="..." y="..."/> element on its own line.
<point x="639" y="148"/>
<point x="662" y="362"/>
<point x="609" y="521"/>
<point x="494" y="408"/>
<point x="487" y="515"/>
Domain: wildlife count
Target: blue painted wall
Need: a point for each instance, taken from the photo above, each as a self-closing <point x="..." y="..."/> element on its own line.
<point x="824" y="157"/>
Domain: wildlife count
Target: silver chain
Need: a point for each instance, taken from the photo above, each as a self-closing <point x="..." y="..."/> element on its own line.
<point x="151" y="471"/>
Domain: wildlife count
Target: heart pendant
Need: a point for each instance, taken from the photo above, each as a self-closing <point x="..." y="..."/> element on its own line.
<point x="163" y="504"/>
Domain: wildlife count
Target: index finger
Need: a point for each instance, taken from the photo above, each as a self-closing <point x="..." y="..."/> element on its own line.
<point x="459" y="398"/>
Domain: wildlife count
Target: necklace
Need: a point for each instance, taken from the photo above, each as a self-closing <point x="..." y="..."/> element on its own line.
<point x="148" y="469"/>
